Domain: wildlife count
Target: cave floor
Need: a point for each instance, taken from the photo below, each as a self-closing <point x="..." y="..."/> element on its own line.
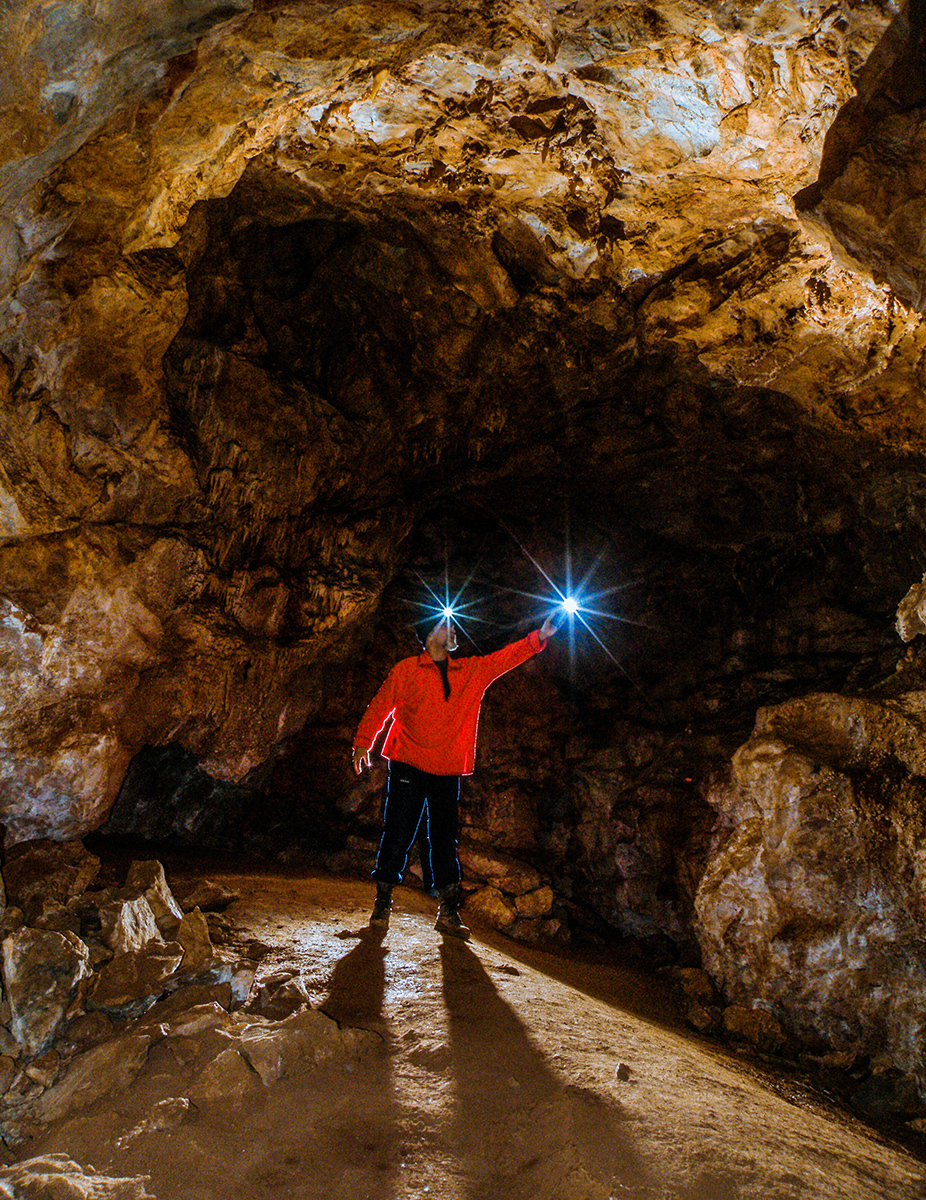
<point x="502" y="1073"/>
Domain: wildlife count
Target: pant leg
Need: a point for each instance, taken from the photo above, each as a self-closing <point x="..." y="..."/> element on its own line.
<point x="443" y="795"/>
<point x="424" y="852"/>
<point x="405" y="796"/>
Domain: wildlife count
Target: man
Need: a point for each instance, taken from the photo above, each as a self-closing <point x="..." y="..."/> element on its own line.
<point x="433" y="702"/>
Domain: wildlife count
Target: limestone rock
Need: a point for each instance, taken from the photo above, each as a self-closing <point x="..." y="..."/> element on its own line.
<point x="706" y="1019"/>
<point x="281" y="997"/>
<point x="911" y="613"/>
<point x="193" y="936"/>
<point x="88" y="1029"/>
<point x="204" y="895"/>
<point x="500" y="870"/>
<point x="227" y="1079"/>
<point x="41" y="971"/>
<point x="869" y="196"/>
<point x="129" y="925"/>
<point x="696" y="985"/>
<point x="57" y="1175"/>
<point x="489" y="904"/>
<point x="814" y="899"/>
<point x="130" y="983"/>
<point x="44" y="871"/>
<point x="536" y="903"/>
<point x="148" y="879"/>
<point x="101" y="1071"/>
<point x="755" y="1026"/>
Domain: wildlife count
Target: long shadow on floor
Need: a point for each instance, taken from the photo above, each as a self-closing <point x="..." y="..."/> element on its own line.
<point x="361" y="1136"/>
<point x="519" y="1130"/>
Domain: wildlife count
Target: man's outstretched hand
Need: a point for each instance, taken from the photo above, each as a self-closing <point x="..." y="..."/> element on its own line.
<point x="361" y="760"/>
<point x="547" y="629"/>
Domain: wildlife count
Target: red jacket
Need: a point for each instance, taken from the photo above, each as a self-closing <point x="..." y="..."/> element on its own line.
<point x="429" y="732"/>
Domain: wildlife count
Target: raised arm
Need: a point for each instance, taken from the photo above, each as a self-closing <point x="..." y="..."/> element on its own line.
<point x="512" y="656"/>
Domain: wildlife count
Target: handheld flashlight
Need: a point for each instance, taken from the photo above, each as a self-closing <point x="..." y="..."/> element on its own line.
<point x="570" y="606"/>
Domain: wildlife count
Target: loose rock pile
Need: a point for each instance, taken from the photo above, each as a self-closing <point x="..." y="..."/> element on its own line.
<point x="512" y="896"/>
<point x="93" y="977"/>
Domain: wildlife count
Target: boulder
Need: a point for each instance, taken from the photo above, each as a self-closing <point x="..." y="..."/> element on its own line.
<point x="41" y="971"/>
<point x="489" y="904"/>
<point x="101" y="1071"/>
<point x="813" y="902"/>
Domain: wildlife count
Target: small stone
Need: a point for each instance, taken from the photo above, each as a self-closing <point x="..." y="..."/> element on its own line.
<point x="623" y="1072"/>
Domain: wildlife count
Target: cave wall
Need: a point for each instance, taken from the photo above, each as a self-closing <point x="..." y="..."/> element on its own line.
<point x="287" y="287"/>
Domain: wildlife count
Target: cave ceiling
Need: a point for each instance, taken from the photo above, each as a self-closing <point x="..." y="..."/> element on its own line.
<point x="293" y="293"/>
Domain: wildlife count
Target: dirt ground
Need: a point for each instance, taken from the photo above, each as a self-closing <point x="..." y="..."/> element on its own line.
<point x="496" y="1073"/>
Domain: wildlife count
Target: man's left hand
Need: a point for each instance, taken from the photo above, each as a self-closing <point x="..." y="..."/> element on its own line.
<point x="547" y="629"/>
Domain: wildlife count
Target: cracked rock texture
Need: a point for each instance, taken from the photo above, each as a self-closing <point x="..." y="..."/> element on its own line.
<point x="304" y="304"/>
<point x="813" y="902"/>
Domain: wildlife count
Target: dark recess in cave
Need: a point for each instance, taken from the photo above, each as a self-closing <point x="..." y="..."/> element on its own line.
<point x="752" y="555"/>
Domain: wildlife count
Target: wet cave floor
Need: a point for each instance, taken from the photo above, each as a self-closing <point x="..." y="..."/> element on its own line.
<point x="490" y="1071"/>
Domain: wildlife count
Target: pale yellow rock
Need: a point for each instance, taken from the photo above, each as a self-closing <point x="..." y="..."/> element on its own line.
<point x="489" y="904"/>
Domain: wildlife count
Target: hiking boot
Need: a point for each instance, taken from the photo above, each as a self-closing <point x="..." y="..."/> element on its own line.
<point x="448" y="914"/>
<point x="382" y="906"/>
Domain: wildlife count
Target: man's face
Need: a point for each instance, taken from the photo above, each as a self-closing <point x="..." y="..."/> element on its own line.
<point x="442" y="638"/>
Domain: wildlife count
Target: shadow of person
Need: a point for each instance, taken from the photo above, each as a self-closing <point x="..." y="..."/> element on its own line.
<point x="357" y="985"/>
<point x="358" y="1137"/>
<point x="519" y="1131"/>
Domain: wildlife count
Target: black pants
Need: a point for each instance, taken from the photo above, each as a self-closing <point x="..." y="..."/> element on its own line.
<point x="409" y="793"/>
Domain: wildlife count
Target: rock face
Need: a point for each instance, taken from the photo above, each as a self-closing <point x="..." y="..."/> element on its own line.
<point x="870" y="196"/>
<point x="813" y="903"/>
